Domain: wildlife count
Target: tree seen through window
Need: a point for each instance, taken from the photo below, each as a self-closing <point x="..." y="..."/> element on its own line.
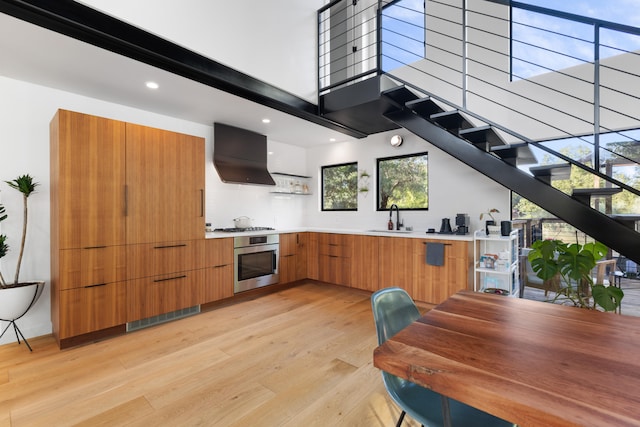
<point x="403" y="180"/>
<point x="340" y="187"/>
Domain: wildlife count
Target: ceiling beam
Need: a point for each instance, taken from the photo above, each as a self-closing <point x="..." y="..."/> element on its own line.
<point x="83" y="23"/>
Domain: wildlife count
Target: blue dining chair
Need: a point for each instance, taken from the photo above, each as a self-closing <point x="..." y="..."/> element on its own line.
<point x="393" y="310"/>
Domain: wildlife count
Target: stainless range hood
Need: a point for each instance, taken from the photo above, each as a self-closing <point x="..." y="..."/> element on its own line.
<point x="240" y="155"/>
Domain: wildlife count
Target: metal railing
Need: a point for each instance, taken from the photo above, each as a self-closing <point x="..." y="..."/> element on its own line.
<point x="472" y="57"/>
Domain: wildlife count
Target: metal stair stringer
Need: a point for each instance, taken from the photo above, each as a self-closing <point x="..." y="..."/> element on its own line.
<point x="610" y="232"/>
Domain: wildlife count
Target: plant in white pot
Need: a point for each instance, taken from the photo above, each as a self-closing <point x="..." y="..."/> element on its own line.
<point x="16" y="298"/>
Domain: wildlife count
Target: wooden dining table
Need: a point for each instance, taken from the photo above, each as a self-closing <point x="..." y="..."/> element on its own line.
<point x="528" y="362"/>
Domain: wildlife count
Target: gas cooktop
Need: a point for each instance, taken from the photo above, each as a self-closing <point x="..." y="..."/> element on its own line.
<point x="237" y="230"/>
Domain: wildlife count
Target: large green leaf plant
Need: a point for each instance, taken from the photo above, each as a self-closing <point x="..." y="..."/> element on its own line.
<point x="572" y="265"/>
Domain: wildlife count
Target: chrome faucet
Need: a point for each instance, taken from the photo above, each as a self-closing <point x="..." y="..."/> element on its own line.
<point x="397" y="215"/>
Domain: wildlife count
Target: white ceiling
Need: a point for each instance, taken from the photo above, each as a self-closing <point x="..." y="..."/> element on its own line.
<point x="37" y="55"/>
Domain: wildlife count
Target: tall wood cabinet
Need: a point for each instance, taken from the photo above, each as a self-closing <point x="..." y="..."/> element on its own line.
<point x="88" y="260"/>
<point x="116" y="186"/>
<point x="165" y="185"/>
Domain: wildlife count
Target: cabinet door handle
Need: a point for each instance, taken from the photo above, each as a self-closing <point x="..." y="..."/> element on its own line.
<point x="96" y="285"/>
<point x="180" y="245"/>
<point x="94" y="247"/>
<point x="126" y="200"/>
<point x="170" y="278"/>
<point x="220" y="266"/>
<point x="202" y="203"/>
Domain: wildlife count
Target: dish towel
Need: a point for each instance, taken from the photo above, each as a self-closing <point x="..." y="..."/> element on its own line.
<point x="435" y="254"/>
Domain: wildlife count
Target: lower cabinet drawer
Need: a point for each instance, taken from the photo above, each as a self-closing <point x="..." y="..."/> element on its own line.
<point x="151" y="296"/>
<point x="92" y="266"/>
<point x="219" y="283"/>
<point x="146" y="260"/>
<point x="84" y="310"/>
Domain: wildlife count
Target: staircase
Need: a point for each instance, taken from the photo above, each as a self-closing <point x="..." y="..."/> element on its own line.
<point x="480" y="147"/>
<point x="477" y="141"/>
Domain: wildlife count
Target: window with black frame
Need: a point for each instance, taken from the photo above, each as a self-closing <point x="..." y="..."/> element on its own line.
<point x="403" y="181"/>
<point x="340" y="187"/>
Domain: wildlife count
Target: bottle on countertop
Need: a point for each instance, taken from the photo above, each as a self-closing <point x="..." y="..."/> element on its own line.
<point x="208" y="228"/>
<point x="390" y="225"/>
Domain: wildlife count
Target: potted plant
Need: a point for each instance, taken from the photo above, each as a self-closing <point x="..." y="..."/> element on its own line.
<point x="492" y="222"/>
<point x="16" y="298"/>
<point x="363" y="186"/>
<point x="571" y="266"/>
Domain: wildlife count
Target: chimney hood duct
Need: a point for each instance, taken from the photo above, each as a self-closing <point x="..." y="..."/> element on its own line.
<point x="240" y="155"/>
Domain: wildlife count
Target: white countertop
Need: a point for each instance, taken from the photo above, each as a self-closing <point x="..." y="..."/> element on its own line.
<point x="417" y="234"/>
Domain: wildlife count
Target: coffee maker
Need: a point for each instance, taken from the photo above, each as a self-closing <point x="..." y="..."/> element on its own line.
<point x="462" y="224"/>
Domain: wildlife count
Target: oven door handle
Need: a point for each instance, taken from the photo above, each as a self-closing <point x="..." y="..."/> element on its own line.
<point x="274" y="262"/>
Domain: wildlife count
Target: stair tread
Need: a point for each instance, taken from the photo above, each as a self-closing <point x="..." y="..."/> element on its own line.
<point x="628" y="217"/>
<point x="554" y="169"/>
<point x="481" y="135"/>
<point x="451" y="120"/>
<point x="399" y="95"/>
<point x="604" y="191"/>
<point x="424" y="107"/>
<point x="519" y="152"/>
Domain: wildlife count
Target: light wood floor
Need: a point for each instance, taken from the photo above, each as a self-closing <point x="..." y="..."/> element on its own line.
<point x="299" y="357"/>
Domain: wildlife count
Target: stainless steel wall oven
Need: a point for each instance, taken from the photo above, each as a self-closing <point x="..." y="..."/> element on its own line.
<point x="256" y="261"/>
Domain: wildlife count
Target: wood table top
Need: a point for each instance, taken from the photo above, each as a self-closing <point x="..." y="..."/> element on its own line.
<point x="531" y="363"/>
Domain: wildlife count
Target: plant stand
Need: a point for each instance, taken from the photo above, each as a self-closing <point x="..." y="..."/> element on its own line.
<point x="18" y="333"/>
<point x="16" y="302"/>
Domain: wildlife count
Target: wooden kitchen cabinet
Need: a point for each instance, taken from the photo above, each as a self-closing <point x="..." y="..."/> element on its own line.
<point x="364" y="265"/>
<point x="91" y="266"/>
<point x="92" y="308"/>
<point x="313" y="255"/>
<point x="293" y="257"/>
<point x="121" y="194"/>
<point x="152" y="296"/>
<point x="334" y="258"/>
<point x="434" y="284"/>
<point x="219" y="269"/>
<point x="88" y="194"/>
<point x="395" y="263"/>
<point x="165" y="185"/>
<point x="152" y="259"/>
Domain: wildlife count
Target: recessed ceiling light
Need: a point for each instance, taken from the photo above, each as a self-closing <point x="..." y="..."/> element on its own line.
<point x="152" y="85"/>
<point x="266" y="121"/>
<point x="332" y="139"/>
<point x="270" y="153"/>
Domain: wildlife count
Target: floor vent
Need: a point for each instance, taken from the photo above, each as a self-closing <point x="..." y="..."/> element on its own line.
<point x="162" y="318"/>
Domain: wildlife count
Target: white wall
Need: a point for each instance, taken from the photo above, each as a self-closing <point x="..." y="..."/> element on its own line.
<point x="453" y="187"/>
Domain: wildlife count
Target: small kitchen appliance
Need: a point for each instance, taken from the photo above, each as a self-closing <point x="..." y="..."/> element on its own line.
<point x="462" y="224"/>
<point x="445" y="227"/>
